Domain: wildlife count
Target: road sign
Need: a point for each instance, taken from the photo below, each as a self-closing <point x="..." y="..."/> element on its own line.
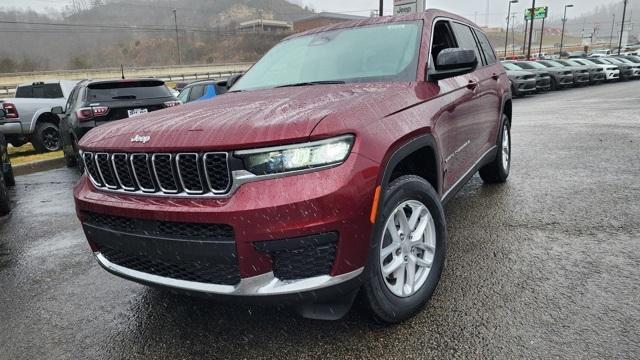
<point x="538" y="13"/>
<point x="404" y="7"/>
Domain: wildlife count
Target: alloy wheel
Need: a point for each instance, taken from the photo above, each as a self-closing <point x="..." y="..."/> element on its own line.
<point x="408" y="248"/>
<point x="506" y="148"/>
<point x="51" y="139"/>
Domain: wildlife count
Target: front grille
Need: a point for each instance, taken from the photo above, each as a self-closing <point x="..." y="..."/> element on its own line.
<point x="165" y="229"/>
<point x="162" y="173"/>
<point x="222" y="274"/>
<point x="309" y="257"/>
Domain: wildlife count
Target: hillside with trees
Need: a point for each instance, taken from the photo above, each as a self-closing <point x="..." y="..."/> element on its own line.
<point x="103" y="33"/>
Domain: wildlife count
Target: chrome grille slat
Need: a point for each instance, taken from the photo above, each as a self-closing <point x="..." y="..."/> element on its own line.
<point x="122" y="170"/>
<point x="188" y="174"/>
<point x="142" y="172"/>
<point x="92" y="170"/>
<point x="106" y="171"/>
<point x="217" y="172"/>
<point x="163" y="169"/>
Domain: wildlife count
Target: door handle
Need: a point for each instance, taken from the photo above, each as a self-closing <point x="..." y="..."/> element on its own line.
<point x="472" y="85"/>
<point x="495" y="76"/>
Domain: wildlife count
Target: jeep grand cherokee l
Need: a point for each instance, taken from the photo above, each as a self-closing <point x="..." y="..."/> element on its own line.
<point x="320" y="174"/>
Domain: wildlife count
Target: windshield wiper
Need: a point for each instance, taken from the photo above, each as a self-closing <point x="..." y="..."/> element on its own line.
<point x="310" y="83"/>
<point x="124" y="97"/>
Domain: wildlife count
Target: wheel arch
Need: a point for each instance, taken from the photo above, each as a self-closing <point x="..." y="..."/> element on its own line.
<point x="418" y="156"/>
<point x="44" y="115"/>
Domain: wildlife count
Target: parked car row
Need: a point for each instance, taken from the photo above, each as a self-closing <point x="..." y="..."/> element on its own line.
<point x="530" y="77"/>
<point x="54" y="115"/>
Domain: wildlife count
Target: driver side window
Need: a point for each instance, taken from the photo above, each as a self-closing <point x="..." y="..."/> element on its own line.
<point x="442" y="39"/>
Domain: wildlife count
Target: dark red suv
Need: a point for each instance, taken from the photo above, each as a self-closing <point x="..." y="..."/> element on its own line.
<point x="321" y="174"/>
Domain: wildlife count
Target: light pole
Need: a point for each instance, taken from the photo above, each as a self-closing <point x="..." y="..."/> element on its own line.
<point x="613" y="26"/>
<point x="175" y="19"/>
<point x="564" y="21"/>
<point x="506" y="40"/>
<point x="624" y="14"/>
<point x="533" y="11"/>
<point x="381" y="13"/>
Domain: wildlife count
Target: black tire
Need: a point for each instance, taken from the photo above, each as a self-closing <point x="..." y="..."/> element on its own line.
<point x="71" y="158"/>
<point x="5" y="164"/>
<point x="46" y="137"/>
<point x="385" y="306"/>
<point x="9" y="179"/>
<point x="498" y="170"/>
<point x="5" y="207"/>
<point x="554" y="84"/>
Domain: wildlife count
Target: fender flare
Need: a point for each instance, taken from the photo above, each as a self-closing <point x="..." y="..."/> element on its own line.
<point x="407" y="148"/>
<point x="36" y="116"/>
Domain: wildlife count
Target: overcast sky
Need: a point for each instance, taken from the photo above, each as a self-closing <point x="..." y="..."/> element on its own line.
<point x="472" y="9"/>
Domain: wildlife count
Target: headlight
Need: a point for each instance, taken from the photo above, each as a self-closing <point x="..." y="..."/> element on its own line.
<point x="297" y="157"/>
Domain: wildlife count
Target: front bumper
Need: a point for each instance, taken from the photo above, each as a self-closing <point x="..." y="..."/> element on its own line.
<point x="522" y="87"/>
<point x="613" y="74"/>
<point x="333" y="200"/>
<point x="598" y="76"/>
<point x="543" y="84"/>
<point x="267" y="286"/>
<point x="581" y="79"/>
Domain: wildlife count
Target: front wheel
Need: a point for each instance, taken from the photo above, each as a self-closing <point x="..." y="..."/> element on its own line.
<point x="498" y="170"/>
<point x="408" y="250"/>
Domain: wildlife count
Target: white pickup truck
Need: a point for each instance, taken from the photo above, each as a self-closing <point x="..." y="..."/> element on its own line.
<point x="29" y="117"/>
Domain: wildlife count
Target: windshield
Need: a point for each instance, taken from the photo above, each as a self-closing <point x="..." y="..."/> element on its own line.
<point x="386" y="52"/>
<point x="586" y="62"/>
<point x="626" y="61"/>
<point x="531" y="65"/>
<point x="551" y="64"/>
<point x="511" y="66"/>
<point x="612" y="61"/>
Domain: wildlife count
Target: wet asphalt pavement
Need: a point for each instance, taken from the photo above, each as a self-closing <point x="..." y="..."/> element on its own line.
<point x="545" y="266"/>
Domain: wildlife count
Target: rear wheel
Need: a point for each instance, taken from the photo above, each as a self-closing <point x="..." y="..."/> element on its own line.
<point x="46" y="137"/>
<point x="4" y="197"/>
<point x="408" y="249"/>
<point x="498" y="170"/>
<point x="71" y="155"/>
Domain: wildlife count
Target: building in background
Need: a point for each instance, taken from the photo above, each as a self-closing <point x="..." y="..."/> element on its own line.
<point x="322" y="19"/>
<point x="264" y="25"/>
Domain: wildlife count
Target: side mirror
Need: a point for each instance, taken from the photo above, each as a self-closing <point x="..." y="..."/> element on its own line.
<point x="3" y="113"/>
<point x="454" y="62"/>
<point x="58" y="110"/>
<point x="233" y="79"/>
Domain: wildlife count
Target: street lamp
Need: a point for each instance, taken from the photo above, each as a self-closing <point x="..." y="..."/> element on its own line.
<point x="564" y="21"/>
<point x="506" y="40"/>
<point x="175" y="19"/>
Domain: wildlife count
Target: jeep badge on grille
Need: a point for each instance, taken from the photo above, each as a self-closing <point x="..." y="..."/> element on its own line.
<point x="140" y="139"/>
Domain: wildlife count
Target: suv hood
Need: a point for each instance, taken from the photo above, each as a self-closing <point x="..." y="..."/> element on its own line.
<point x="249" y="119"/>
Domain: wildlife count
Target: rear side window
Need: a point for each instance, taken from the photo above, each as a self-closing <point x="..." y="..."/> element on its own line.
<point x="197" y="91"/>
<point x="40" y="91"/>
<point x="487" y="49"/>
<point x="465" y="38"/>
<point x="127" y="90"/>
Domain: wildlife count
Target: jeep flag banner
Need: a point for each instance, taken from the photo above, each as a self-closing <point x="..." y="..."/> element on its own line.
<point x="537" y="13"/>
<point x="403" y="7"/>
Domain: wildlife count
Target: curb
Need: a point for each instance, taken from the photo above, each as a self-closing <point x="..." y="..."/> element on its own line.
<point x="38" y="166"/>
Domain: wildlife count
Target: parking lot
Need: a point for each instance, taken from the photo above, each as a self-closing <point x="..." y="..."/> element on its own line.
<point x="545" y="266"/>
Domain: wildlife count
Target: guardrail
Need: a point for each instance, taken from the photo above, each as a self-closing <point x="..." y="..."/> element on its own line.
<point x="182" y="73"/>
